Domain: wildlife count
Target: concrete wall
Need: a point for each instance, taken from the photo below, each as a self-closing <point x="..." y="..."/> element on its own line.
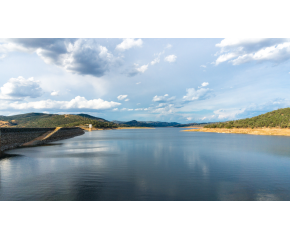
<point x="16" y="137"/>
<point x="64" y="133"/>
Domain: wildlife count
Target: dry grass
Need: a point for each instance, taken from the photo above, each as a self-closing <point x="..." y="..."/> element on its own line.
<point x="255" y="131"/>
<point x="5" y="124"/>
<point x="192" y="127"/>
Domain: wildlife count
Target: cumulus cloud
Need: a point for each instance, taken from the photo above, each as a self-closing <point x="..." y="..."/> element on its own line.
<point x="200" y="94"/>
<point x="122" y="97"/>
<point x="228" y="113"/>
<point x="157" y="59"/>
<point x="54" y="93"/>
<point x="189" y="119"/>
<point x="142" y="69"/>
<point x="170" y="58"/>
<point x="80" y="56"/>
<point x="19" y="88"/>
<point x="204" y="84"/>
<point x="76" y="103"/>
<point x="129" y="43"/>
<point x="136" y="70"/>
<point x="239" y="51"/>
<point x="164" y="98"/>
<point x="126" y="100"/>
<point x="164" y="110"/>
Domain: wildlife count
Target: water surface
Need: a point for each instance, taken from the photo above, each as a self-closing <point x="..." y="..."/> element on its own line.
<point x="150" y="164"/>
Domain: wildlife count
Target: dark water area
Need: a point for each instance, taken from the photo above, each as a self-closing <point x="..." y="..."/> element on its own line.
<point x="150" y="164"/>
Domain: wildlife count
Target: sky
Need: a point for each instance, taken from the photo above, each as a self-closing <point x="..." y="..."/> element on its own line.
<point x="183" y="80"/>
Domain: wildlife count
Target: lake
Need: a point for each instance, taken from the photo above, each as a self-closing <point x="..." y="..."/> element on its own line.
<point x="150" y="164"/>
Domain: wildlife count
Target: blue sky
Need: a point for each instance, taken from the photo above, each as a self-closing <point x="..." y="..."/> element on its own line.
<point x="184" y="80"/>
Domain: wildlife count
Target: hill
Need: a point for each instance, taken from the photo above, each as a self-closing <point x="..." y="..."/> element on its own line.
<point x="92" y="117"/>
<point x="277" y="118"/>
<point x="135" y="123"/>
<point x="53" y="120"/>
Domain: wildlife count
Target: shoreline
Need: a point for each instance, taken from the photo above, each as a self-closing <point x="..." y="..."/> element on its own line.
<point x="120" y="128"/>
<point x="254" y="131"/>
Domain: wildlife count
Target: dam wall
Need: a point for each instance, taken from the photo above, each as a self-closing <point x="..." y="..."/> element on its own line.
<point x="64" y="133"/>
<point x="16" y="137"/>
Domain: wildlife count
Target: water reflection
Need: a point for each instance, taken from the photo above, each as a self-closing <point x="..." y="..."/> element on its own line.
<point x="159" y="164"/>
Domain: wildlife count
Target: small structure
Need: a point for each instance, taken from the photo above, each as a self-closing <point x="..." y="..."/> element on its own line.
<point x="90" y="127"/>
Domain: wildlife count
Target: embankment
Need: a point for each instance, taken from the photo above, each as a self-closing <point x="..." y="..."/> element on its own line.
<point x="16" y="137"/>
<point x="254" y="131"/>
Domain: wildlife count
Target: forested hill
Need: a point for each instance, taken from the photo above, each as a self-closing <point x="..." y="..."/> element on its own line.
<point x="53" y="120"/>
<point x="277" y="118"/>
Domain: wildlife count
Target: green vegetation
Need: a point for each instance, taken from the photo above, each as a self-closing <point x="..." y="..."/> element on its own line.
<point x="277" y="118"/>
<point x="31" y="120"/>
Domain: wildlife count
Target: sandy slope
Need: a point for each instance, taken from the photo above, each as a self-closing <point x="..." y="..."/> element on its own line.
<point x="255" y="131"/>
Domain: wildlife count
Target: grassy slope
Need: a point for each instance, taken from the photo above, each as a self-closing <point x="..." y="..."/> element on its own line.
<point x="54" y="120"/>
<point x="277" y="118"/>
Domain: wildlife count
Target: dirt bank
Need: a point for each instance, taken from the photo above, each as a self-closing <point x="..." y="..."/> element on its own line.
<point x="255" y="131"/>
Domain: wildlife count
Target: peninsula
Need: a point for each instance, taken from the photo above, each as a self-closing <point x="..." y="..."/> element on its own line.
<point x="272" y="123"/>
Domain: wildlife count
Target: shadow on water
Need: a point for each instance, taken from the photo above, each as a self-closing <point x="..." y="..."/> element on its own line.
<point x="4" y="156"/>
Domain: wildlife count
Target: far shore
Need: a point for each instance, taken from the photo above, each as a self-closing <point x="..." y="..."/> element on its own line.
<point x="119" y="128"/>
<point x="254" y="131"/>
<point x="197" y="126"/>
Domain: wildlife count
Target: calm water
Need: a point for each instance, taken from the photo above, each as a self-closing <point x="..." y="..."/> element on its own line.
<point x="151" y="164"/>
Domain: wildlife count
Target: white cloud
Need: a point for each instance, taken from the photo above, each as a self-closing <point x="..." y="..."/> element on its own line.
<point x="203" y="118"/>
<point x="138" y="83"/>
<point x="239" y="51"/>
<point x="204" y="84"/>
<point x="225" y="57"/>
<point x="156" y="60"/>
<point x="231" y="42"/>
<point x="277" y="53"/>
<point x="115" y="109"/>
<point x="19" y="88"/>
<point x="228" y="113"/>
<point x="80" y="56"/>
<point x="189" y="119"/>
<point x="130" y="109"/>
<point x="126" y="100"/>
<point x="170" y="58"/>
<point x="142" y="69"/>
<point x="129" y="43"/>
<point x="200" y="94"/>
<point x="76" y="103"/>
<point x="54" y="93"/>
<point x="122" y="97"/>
<point x="168" y="46"/>
<point x="203" y="66"/>
<point x="162" y="98"/>
<point x="138" y="109"/>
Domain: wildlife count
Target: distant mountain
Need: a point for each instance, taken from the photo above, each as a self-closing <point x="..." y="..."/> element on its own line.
<point x="148" y="123"/>
<point x="190" y="124"/>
